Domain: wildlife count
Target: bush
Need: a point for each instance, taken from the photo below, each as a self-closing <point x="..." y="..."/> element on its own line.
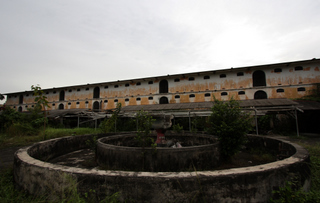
<point x="230" y="124"/>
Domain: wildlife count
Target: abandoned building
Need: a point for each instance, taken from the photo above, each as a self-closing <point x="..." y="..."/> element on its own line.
<point x="271" y="86"/>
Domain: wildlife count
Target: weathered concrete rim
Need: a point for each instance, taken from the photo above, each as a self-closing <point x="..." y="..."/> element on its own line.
<point x="300" y="156"/>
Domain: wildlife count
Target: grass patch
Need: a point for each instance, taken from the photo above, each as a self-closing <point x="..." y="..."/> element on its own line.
<point x="6" y="140"/>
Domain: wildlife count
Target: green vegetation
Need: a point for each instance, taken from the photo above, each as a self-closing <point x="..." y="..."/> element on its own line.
<point x="110" y="124"/>
<point x="144" y="124"/>
<point x="292" y="191"/>
<point x="230" y="124"/>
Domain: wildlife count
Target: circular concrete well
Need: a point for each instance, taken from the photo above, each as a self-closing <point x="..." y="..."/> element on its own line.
<point x="34" y="174"/>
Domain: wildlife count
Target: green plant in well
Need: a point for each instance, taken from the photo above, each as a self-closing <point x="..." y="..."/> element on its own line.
<point x="109" y="124"/>
<point x="177" y="128"/>
<point x="230" y="124"/>
<point x="144" y="124"/>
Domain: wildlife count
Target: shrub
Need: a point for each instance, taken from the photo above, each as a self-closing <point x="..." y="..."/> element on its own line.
<point x="230" y="124"/>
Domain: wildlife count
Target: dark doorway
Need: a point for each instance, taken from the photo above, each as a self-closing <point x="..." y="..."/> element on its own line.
<point x="259" y="78"/>
<point x="21" y="99"/>
<point x="96" y="92"/>
<point x="20" y="109"/>
<point x="61" y="96"/>
<point x="164" y="100"/>
<point x="163" y="86"/>
<point x="61" y="106"/>
<point x="96" y="106"/>
<point x="260" y="95"/>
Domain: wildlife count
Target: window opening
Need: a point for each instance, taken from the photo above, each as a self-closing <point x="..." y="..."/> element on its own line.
<point x="223" y="76"/>
<point x="20" y="99"/>
<point x="301" y="89"/>
<point x="150" y="82"/>
<point x="240" y="74"/>
<point x="126" y="100"/>
<point x="20" y="109"/>
<point x="278" y="70"/>
<point x="207" y="95"/>
<point x="96" y="106"/>
<point x="260" y="95"/>
<point x="61" y="96"/>
<point x="163" y="86"/>
<point x="177" y="97"/>
<point x="191" y="79"/>
<point x="280" y="90"/>
<point x="61" y="106"/>
<point x="126" y="85"/>
<point x="138" y="99"/>
<point x="259" y="78"/>
<point x="96" y="92"/>
<point x="192" y="95"/>
<point x="177" y="80"/>
<point x="224" y="93"/>
<point x="164" y="100"/>
<point x="241" y="92"/>
<point x="116" y="86"/>
<point x="150" y="98"/>
<point x="206" y="77"/>
<point x="298" y="68"/>
<point x="138" y="83"/>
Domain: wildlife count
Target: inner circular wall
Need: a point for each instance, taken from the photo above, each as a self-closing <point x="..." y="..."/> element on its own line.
<point x="249" y="184"/>
<point x="200" y="152"/>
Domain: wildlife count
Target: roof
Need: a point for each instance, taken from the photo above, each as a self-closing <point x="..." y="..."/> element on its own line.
<point x="257" y="103"/>
<point x="308" y="105"/>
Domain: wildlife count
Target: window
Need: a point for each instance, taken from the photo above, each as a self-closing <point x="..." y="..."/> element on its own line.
<point x="207" y="94"/>
<point x="259" y="78"/>
<point x="163" y="86"/>
<point x="61" y="96"/>
<point x="69" y="103"/>
<point x="127" y="99"/>
<point x="105" y="101"/>
<point x="224" y="93"/>
<point x="280" y="90"/>
<point x="223" y="75"/>
<point x="61" y="106"/>
<point x="126" y="85"/>
<point x="301" y="89"/>
<point x="164" y="100"/>
<point x="298" y="68"/>
<point x="150" y="82"/>
<point x="206" y="77"/>
<point x="177" y="97"/>
<point x="138" y="99"/>
<point x="177" y="80"/>
<point x="54" y="92"/>
<point x="46" y="93"/>
<point x="241" y="92"/>
<point x="87" y="102"/>
<point x="138" y="83"/>
<point x="150" y="98"/>
<point x="260" y="95"/>
<point x="70" y="90"/>
<point x="191" y="79"/>
<point x="278" y="70"/>
<point x="116" y="86"/>
<point x="53" y="104"/>
<point x="96" y="106"/>
<point x="240" y="74"/>
<point x="106" y="87"/>
<point x="78" y="90"/>
<point x="87" y="88"/>
<point x="78" y="103"/>
<point x="116" y="100"/>
<point x="20" y="99"/>
<point x="96" y="92"/>
<point x="192" y="96"/>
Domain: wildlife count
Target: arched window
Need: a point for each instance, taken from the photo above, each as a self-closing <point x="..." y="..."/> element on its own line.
<point x="224" y="93"/>
<point x="280" y="90"/>
<point x="164" y="100"/>
<point x="96" y="106"/>
<point x="259" y="78"/>
<point x="260" y="95"/>
<point x="61" y="96"/>
<point x="126" y="100"/>
<point x="61" y="106"/>
<point x="96" y="92"/>
<point x="163" y="86"/>
<point x="150" y="98"/>
<point x="21" y="99"/>
<point x="206" y="77"/>
<point x="301" y="89"/>
<point x="207" y="94"/>
<point x="177" y="97"/>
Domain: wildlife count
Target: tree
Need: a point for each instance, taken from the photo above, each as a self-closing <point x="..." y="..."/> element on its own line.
<point x="230" y="124"/>
<point x="109" y="124"/>
<point x="144" y="124"/>
<point x="41" y="103"/>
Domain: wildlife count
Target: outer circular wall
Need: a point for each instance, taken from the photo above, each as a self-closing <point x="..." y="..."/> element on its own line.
<point x="250" y="184"/>
<point x="204" y="156"/>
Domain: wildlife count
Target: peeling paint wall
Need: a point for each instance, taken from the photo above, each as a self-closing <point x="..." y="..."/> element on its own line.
<point x="287" y="80"/>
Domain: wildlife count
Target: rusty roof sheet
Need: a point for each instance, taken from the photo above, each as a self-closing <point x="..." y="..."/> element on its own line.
<point x="208" y="105"/>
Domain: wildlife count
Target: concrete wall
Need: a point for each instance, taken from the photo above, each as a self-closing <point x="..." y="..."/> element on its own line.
<point x="250" y="184"/>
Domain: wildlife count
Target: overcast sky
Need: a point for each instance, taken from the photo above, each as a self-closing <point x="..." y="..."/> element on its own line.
<point x="72" y="42"/>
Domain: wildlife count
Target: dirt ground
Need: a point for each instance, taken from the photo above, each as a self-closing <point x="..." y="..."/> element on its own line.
<point x="6" y="154"/>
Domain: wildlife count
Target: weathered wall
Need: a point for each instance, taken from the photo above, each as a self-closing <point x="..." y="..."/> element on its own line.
<point x="250" y="184"/>
<point x="192" y="87"/>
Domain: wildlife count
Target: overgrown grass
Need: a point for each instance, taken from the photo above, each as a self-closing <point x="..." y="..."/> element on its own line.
<point x="11" y="140"/>
<point x="287" y="194"/>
